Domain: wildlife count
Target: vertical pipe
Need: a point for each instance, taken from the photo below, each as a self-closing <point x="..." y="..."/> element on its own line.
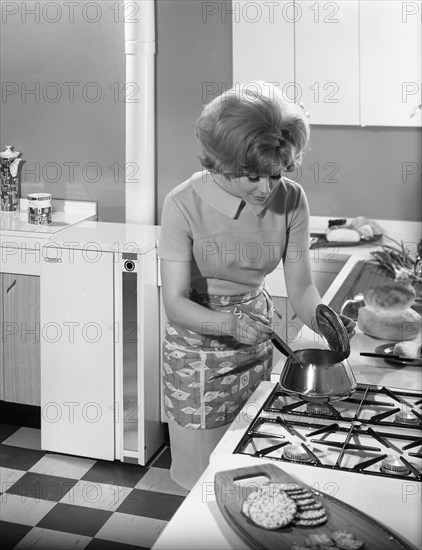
<point x="139" y="21"/>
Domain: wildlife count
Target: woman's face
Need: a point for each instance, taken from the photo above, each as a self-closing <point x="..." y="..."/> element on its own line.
<point x="253" y="188"/>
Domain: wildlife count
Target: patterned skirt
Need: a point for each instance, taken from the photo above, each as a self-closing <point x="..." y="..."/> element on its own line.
<point x="206" y="380"/>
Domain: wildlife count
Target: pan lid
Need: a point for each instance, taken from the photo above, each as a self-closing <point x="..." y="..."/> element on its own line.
<point x="333" y="330"/>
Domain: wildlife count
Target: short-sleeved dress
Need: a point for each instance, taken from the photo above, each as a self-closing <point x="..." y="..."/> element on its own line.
<point x="231" y="247"/>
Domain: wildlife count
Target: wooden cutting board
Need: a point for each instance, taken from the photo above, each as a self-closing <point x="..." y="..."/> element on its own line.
<point x="319" y="240"/>
<point x="233" y="486"/>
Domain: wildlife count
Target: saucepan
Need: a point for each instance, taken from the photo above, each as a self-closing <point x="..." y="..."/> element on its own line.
<point x="320" y="375"/>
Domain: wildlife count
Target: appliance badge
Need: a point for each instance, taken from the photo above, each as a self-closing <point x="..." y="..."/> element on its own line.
<point x="53" y="260"/>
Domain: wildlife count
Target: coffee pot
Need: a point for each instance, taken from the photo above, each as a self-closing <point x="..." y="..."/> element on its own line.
<point x="10" y="180"/>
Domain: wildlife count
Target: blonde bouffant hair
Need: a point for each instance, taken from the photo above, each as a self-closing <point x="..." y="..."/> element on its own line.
<point x="252" y="129"/>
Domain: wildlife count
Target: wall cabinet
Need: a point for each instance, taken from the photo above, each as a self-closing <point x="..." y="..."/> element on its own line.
<point x="20" y="338"/>
<point x="391" y="67"/>
<point x="327" y="60"/>
<point x="263" y="43"/>
<point x="347" y="62"/>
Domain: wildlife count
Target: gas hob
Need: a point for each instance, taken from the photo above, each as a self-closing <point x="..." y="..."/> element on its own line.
<point x="377" y="431"/>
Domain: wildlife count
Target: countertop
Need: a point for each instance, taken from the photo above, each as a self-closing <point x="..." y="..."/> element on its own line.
<point x="65" y="214"/>
<point x="110" y="237"/>
<point x="73" y="222"/>
<point x="199" y="524"/>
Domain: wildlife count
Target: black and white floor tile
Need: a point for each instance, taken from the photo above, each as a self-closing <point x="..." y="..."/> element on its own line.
<point x="61" y="502"/>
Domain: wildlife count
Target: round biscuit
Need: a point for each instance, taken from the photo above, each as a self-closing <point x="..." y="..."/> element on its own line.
<point x="272" y="512"/>
<point x="291" y="486"/>
<point x="311" y="522"/>
<point x="272" y="488"/>
<point x="304" y="494"/>
<point x="314" y="506"/>
<point x="304" y="501"/>
<point x="349" y="543"/>
<point x="310" y="514"/>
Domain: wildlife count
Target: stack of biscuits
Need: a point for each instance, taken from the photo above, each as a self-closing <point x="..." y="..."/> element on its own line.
<point x="310" y="512"/>
<point x="274" y="505"/>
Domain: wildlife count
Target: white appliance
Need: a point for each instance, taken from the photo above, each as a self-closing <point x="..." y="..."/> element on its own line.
<point x="100" y="353"/>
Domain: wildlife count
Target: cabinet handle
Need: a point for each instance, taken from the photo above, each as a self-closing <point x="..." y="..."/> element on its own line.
<point x="10" y="287"/>
<point x="416" y="111"/>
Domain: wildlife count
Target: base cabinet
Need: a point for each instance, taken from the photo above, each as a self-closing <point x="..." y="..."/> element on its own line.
<point x="100" y="354"/>
<point x="20" y="338"/>
<point x="77" y="349"/>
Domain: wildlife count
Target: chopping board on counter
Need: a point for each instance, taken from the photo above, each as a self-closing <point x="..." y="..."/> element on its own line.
<point x="232" y="487"/>
<point x="319" y="240"/>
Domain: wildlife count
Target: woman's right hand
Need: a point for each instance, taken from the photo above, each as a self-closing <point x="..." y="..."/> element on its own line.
<point x="250" y="332"/>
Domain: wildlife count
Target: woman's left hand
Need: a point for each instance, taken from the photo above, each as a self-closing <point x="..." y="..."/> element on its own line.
<point x="349" y="325"/>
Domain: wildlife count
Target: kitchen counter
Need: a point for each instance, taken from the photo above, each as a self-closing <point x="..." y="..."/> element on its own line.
<point x="199" y="524"/>
<point x="64" y="215"/>
<point x="74" y="226"/>
<point x="109" y="237"/>
<point x="367" y="369"/>
<point x="74" y="222"/>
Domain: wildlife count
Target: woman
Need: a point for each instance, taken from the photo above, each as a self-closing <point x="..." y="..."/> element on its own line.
<point x="223" y="230"/>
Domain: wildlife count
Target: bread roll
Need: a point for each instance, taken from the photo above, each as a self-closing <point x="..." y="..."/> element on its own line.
<point x="397" y="326"/>
<point x="408" y="349"/>
<point x="342" y="234"/>
<point x="390" y="297"/>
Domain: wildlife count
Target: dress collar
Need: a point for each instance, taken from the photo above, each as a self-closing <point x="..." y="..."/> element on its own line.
<point x="221" y="200"/>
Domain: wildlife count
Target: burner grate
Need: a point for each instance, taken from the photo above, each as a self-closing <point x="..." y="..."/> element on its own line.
<point x="356" y="434"/>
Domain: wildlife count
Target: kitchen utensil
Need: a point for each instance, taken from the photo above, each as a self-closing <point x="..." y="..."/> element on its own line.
<point x="233" y="486"/>
<point x="276" y="340"/>
<point x="281" y="346"/>
<point x="322" y="375"/>
<point x="386" y="352"/>
<point x="388" y="356"/>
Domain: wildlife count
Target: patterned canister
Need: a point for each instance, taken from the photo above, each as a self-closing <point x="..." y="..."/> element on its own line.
<point x="39" y="208"/>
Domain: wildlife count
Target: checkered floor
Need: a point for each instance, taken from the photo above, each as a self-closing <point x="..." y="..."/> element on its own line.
<point x="65" y="502"/>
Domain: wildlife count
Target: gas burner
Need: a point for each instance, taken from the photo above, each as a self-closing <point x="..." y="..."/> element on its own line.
<point x="377" y="432"/>
<point x="392" y="465"/>
<point x="316" y="409"/>
<point x="296" y="453"/>
<point x="406" y="418"/>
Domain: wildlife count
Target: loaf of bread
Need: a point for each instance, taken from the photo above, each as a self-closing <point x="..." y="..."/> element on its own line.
<point x="397" y="325"/>
<point x="390" y="297"/>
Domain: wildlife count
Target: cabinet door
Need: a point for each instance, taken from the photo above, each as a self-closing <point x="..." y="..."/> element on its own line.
<point x="77" y="349"/>
<point x="327" y="60"/>
<point x="391" y="63"/>
<point x="21" y="338"/>
<point x="263" y="45"/>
